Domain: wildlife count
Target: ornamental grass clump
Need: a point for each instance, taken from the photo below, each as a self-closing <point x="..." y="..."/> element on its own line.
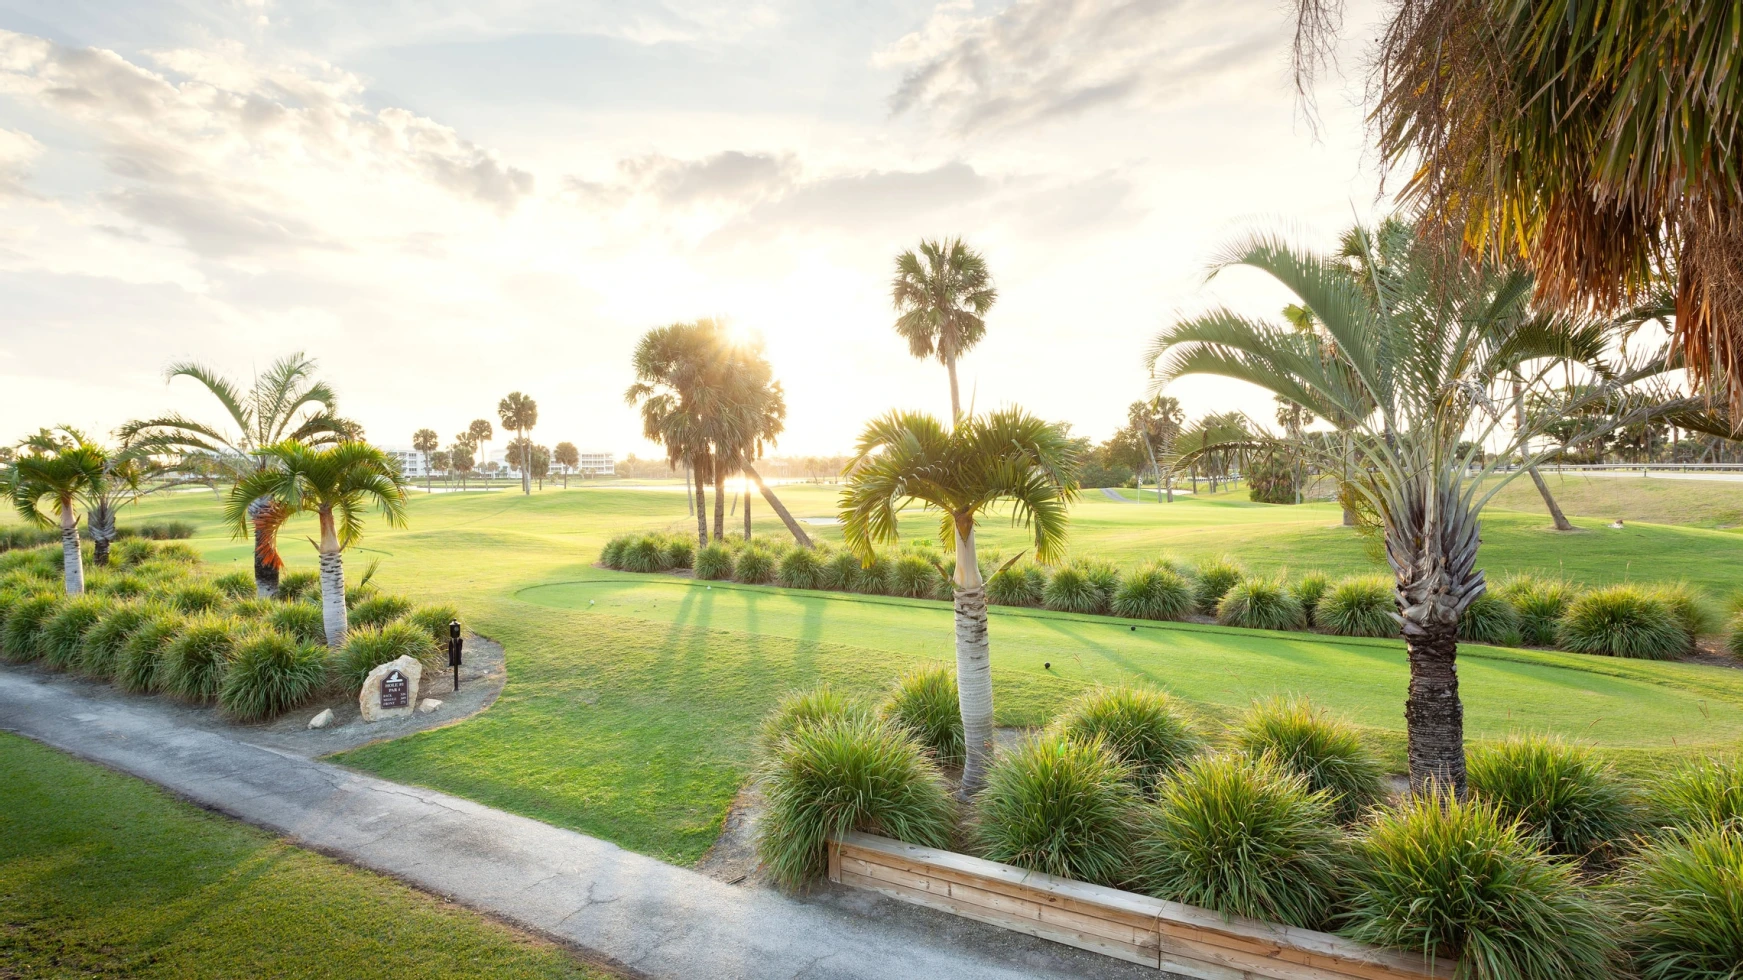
<point x="1105" y="578"/>
<point x="923" y="703"/>
<point x="805" y="709"/>
<point x="849" y="773"/>
<point x="433" y="620"/>
<point x="1622" y="621"/>
<point x="1212" y="579"/>
<point x="194" y="662"/>
<point x="1153" y="592"/>
<point x="873" y="578"/>
<point x="1308" y="590"/>
<point x="1690" y="607"/>
<point x="131" y="552"/>
<point x="755" y="565"/>
<point x="611" y="556"/>
<point x="22" y="639"/>
<point x="1734" y="636"/>
<point x="1325" y="751"/>
<point x="1540" y="604"/>
<point x="1146" y="730"/>
<point x="838" y="571"/>
<point x="1261" y="604"/>
<point x="1707" y="793"/>
<point x="62" y="637"/>
<point x="1683" y="902"/>
<point x="800" y="568"/>
<point x="680" y="551"/>
<point x="380" y="611"/>
<point x="1490" y="619"/>
<point x="300" y="621"/>
<point x="1456" y="880"/>
<point x="104" y="643"/>
<point x="1361" y="605"/>
<point x="368" y="648"/>
<point x="235" y="585"/>
<point x="297" y="586"/>
<point x="269" y="674"/>
<point x="1059" y="806"/>
<point x="1013" y="587"/>
<point x="1564" y="797"/>
<point x="914" y="577"/>
<point x="196" y="597"/>
<point x="1242" y="838"/>
<point x="714" y="563"/>
<point x="140" y="667"/>
<point x="643" y="554"/>
<point x="1070" y="590"/>
<point x="121" y="586"/>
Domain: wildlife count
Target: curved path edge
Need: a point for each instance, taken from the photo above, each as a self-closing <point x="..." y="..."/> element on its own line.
<point x="630" y="911"/>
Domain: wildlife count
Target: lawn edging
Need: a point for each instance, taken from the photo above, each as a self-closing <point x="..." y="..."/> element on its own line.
<point x="1148" y="931"/>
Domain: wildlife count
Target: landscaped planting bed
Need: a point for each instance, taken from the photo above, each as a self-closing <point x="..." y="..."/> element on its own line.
<point x="1662" y="622"/>
<point x="156" y="621"/>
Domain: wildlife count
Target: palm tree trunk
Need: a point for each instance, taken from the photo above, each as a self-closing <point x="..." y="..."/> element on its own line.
<point x="1434" y="716"/>
<point x="689" y="498"/>
<point x="526" y="464"/>
<point x="775" y="504"/>
<point x="1561" y="521"/>
<point x="747" y="513"/>
<point x="719" y="501"/>
<point x="701" y="505"/>
<point x="73" y="572"/>
<point x="974" y="678"/>
<point x="955" y="398"/>
<point x="266" y="563"/>
<point x="334" y="617"/>
<point x="101" y="521"/>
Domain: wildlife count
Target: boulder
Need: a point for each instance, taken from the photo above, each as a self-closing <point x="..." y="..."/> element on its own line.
<point x="428" y="705"/>
<point x="323" y="719"/>
<point x="397" y="681"/>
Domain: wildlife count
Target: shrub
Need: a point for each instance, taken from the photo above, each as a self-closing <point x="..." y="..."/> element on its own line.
<point x="805" y="709"/>
<point x="62" y="637"/>
<point x="1146" y="730"/>
<point x="296" y="586"/>
<point x="1242" y="838"/>
<point x="300" y="621"/>
<point x="1683" y="898"/>
<point x="140" y="668"/>
<point x="800" y="568"/>
<point x="611" y="556"/>
<point x="1490" y="619"/>
<point x="236" y="585"/>
<point x="643" y="554"/>
<point x="714" y="562"/>
<point x="850" y="773"/>
<point x="164" y="530"/>
<point x="193" y="665"/>
<point x="1059" y="806"/>
<point x="1308" y="590"/>
<point x="357" y="593"/>
<point x="1327" y="752"/>
<point x="1622" y="621"/>
<point x="1013" y="587"/>
<point x="177" y="552"/>
<point x="680" y="552"/>
<point x="1070" y="590"/>
<point x="1104" y="577"/>
<point x="1708" y="793"/>
<point x="269" y="674"/>
<point x="1559" y="794"/>
<point x="433" y="620"/>
<point x="1540" y="604"/>
<point x="873" y="578"/>
<point x="380" y="611"/>
<point x="368" y="648"/>
<point x="196" y="597"/>
<point x="131" y="553"/>
<point x="1214" y="577"/>
<point x="1453" y="879"/>
<point x="838" y="572"/>
<point x="100" y="654"/>
<point x="1690" y="607"/>
<point x="1358" y="606"/>
<point x="913" y="576"/>
<point x="924" y="704"/>
<point x="755" y="565"/>
<point x="122" y="586"/>
<point x="1153" y="592"/>
<point x="22" y="640"/>
<point x="1261" y="604"/>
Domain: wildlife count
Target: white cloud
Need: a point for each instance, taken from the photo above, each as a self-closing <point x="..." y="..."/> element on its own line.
<point x="18" y="151"/>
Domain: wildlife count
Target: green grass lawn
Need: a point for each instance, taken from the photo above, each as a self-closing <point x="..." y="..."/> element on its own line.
<point x="632" y="700"/>
<point x="102" y="875"/>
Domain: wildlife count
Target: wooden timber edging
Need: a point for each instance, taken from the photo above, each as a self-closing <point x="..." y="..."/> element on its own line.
<point x="1169" y="936"/>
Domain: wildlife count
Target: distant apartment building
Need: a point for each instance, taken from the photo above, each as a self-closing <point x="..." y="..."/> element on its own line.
<point x="412" y="464"/>
<point x="592" y="463"/>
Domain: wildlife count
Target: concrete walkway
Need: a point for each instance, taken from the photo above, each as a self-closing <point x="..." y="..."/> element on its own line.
<point x="630" y="911"/>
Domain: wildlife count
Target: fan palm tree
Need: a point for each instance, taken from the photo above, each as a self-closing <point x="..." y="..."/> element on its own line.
<point x="942" y="295"/>
<point x="672" y="367"/>
<point x="335" y="484"/>
<point x="58" y="476"/>
<point x="460" y="458"/>
<point x="518" y="414"/>
<point x="1410" y="349"/>
<point x="475" y="436"/>
<point x="425" y="441"/>
<point x="1006" y="458"/>
<point x="568" y="457"/>
<point x="287" y="402"/>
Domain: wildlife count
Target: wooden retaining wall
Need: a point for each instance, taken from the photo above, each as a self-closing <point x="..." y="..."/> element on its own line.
<point x="1166" y="935"/>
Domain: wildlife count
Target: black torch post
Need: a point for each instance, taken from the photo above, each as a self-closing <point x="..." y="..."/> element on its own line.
<point x="454" y="644"/>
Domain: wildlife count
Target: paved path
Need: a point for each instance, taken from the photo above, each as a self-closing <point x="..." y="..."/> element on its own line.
<point x="632" y="911"/>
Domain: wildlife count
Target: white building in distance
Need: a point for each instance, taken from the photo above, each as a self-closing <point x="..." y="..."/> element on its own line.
<point x="592" y="463"/>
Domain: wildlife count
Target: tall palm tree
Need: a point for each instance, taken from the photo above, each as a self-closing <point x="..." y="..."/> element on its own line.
<point x="568" y="457"/>
<point x="460" y="457"/>
<point x="942" y="295"/>
<point x="59" y="476"/>
<point x="425" y="441"/>
<point x="475" y="436"/>
<point x="672" y="365"/>
<point x="335" y="484"/>
<point x="1410" y="356"/>
<point x="518" y="414"/>
<point x="1006" y="458"/>
<point x="287" y="402"/>
<point x="1158" y="422"/>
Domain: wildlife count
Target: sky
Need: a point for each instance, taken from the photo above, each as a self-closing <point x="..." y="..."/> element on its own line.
<point x="444" y="202"/>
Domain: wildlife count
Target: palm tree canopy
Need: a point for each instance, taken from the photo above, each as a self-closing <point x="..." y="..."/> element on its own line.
<point x="1007" y="455"/>
<point x="55" y="475"/>
<point x="700" y="390"/>
<point x="341" y="481"/>
<point x="426" y="440"/>
<point x="518" y="412"/>
<point x="943" y="294"/>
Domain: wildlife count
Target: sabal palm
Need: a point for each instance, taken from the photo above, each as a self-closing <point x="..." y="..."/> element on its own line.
<point x="519" y="413"/>
<point x="672" y="369"/>
<point x="1006" y="458"/>
<point x="943" y="294"/>
<point x="1407" y="350"/>
<point x="58" y="477"/>
<point x="336" y="484"/>
<point x="425" y="441"/>
<point x="477" y="433"/>
<point x="287" y="402"/>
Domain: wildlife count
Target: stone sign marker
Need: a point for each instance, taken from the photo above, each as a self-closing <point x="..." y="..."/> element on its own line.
<point x="388" y="690"/>
<point x="393" y="690"/>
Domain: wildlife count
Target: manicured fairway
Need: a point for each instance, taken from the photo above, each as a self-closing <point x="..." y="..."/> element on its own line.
<point x="102" y="875"/>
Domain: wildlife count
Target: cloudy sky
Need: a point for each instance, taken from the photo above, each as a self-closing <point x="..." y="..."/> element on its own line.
<point x="443" y="202"/>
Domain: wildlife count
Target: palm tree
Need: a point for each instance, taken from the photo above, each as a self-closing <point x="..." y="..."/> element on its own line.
<point x="672" y="367"/>
<point x="425" y="441"/>
<point x="1006" y="457"/>
<point x="943" y="295"/>
<point x="60" y="476"/>
<point x="1158" y="422"/>
<point x="122" y="480"/>
<point x="441" y="463"/>
<point x="568" y="457"/>
<point x="475" y="436"/>
<point x="460" y="457"/>
<point x="335" y="484"/>
<point x="284" y="403"/>
<point x="1411" y="345"/>
<point x="520" y="413"/>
